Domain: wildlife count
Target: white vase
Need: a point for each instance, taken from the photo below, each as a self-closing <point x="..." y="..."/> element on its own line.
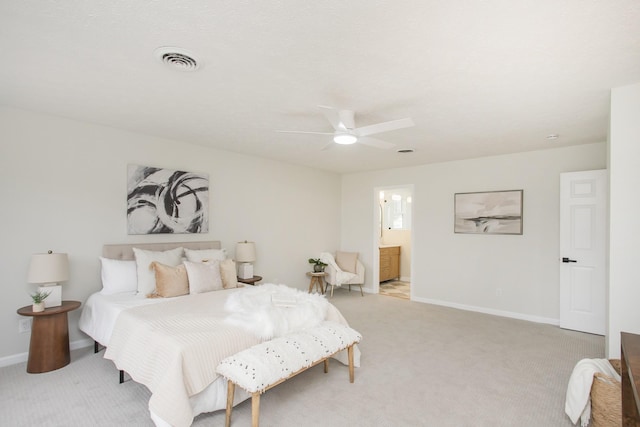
<point x="38" y="307"/>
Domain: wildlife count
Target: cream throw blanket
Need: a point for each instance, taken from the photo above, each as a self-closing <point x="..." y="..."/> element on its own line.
<point x="342" y="277"/>
<point x="578" y="403"/>
<point x="173" y="348"/>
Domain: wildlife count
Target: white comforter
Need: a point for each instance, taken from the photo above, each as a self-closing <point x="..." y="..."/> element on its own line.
<point x="173" y="348"/>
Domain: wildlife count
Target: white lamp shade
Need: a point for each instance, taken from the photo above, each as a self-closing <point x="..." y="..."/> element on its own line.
<point x="245" y="252"/>
<point x="48" y="268"/>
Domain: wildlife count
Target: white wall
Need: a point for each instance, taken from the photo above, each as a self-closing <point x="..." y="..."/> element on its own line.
<point x="624" y="229"/>
<point x="63" y="187"/>
<point x="464" y="270"/>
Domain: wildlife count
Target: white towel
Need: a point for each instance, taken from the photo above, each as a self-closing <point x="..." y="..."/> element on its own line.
<point x="578" y="403"/>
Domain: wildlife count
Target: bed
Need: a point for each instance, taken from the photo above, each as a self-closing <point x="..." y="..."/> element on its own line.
<point x="171" y="345"/>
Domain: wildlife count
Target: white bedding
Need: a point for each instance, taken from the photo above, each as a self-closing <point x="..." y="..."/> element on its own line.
<point x="100" y="312"/>
<point x="99" y="318"/>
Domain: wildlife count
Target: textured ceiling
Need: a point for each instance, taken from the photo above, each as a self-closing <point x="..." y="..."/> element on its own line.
<point x="477" y="77"/>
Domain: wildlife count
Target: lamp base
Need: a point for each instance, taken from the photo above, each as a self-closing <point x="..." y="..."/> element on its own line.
<point x="55" y="295"/>
<point x="245" y="271"/>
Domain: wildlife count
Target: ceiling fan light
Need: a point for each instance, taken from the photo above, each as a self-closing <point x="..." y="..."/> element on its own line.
<point x="345" y="139"/>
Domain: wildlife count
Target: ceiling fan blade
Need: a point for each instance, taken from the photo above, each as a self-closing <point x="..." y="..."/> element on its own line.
<point x="385" y="127"/>
<point x="373" y="142"/>
<point x="301" y="131"/>
<point x="332" y="115"/>
<point x="339" y="119"/>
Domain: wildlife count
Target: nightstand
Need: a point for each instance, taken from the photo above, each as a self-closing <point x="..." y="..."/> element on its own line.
<point x="251" y="281"/>
<point x="317" y="280"/>
<point x="49" y="346"/>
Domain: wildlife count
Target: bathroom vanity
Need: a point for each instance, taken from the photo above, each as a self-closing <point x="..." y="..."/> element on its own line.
<point x="389" y="263"/>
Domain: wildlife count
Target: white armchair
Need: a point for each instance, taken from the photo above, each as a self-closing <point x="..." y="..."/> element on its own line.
<point x="336" y="277"/>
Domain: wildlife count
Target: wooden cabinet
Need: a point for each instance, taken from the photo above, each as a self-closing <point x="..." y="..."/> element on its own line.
<point x="389" y="263"/>
<point x="630" y="355"/>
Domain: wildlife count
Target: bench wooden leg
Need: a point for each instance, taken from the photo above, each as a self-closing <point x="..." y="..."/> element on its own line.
<point x="351" y="370"/>
<point x="231" y="388"/>
<point x="255" y="409"/>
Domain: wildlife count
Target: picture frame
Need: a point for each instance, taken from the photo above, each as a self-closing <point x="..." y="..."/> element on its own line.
<point x="166" y="201"/>
<point x="489" y="212"/>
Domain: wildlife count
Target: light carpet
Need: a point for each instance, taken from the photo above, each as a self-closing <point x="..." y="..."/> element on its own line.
<point x="422" y="365"/>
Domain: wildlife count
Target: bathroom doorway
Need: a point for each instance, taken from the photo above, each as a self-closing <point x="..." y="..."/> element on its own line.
<point x="393" y="240"/>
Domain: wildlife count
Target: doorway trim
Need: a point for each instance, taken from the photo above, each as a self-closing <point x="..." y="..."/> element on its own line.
<point x="377" y="228"/>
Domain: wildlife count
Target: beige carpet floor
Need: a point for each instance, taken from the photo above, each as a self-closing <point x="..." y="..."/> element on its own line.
<point x="422" y="365"/>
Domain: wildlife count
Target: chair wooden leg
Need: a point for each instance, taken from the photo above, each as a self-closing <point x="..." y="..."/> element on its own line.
<point x="230" y="391"/>
<point x="255" y="409"/>
<point x="351" y="369"/>
<point x="326" y="366"/>
<point x="361" y="293"/>
<point x="332" y="286"/>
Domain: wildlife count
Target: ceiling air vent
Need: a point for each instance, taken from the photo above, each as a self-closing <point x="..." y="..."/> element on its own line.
<point x="176" y="58"/>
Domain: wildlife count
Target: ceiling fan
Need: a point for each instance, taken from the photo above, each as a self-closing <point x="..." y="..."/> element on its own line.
<point x="345" y="131"/>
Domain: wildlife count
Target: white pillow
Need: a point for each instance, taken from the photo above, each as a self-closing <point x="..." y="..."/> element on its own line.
<point x="202" y="255"/>
<point x="203" y="277"/>
<point x="118" y="276"/>
<point x="146" y="275"/>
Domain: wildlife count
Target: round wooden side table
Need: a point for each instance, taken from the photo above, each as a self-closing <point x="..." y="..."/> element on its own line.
<point x="317" y="280"/>
<point x="49" y="346"/>
<point x="252" y="281"/>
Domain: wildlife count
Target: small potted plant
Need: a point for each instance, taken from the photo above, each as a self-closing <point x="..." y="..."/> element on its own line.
<point x="38" y="301"/>
<point x="318" y="266"/>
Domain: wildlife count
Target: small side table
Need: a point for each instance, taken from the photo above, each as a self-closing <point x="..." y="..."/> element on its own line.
<point x="49" y="346"/>
<point x="252" y="281"/>
<point x="317" y="279"/>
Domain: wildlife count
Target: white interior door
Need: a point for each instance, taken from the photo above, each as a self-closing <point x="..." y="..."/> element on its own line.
<point x="583" y="228"/>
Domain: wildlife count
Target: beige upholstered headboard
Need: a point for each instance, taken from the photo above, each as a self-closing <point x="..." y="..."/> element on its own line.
<point x="125" y="251"/>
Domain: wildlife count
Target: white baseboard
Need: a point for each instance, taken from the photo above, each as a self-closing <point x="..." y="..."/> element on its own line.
<point x="502" y="313"/>
<point x="22" y="357"/>
<point x="405" y="279"/>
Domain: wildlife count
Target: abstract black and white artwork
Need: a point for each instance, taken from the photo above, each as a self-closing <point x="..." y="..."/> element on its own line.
<point x="163" y="201"/>
<point x="493" y="212"/>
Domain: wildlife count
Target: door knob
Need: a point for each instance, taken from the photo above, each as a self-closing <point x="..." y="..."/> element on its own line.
<point x="565" y="259"/>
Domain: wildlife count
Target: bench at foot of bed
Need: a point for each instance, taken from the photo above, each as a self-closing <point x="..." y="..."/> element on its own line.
<point x="264" y="366"/>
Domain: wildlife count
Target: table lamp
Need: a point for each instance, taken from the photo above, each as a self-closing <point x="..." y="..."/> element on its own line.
<point x="245" y="255"/>
<point x="47" y="270"/>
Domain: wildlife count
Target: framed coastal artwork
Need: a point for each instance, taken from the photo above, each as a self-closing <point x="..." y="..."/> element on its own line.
<point x="491" y="212"/>
<point x="162" y="201"/>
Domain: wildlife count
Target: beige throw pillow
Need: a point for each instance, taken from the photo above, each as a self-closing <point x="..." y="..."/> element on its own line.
<point x="347" y="261"/>
<point x="170" y="281"/>
<point x="203" y="277"/>
<point x="228" y="273"/>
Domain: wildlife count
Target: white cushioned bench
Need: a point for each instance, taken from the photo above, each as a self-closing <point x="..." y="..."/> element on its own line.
<point x="265" y="365"/>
